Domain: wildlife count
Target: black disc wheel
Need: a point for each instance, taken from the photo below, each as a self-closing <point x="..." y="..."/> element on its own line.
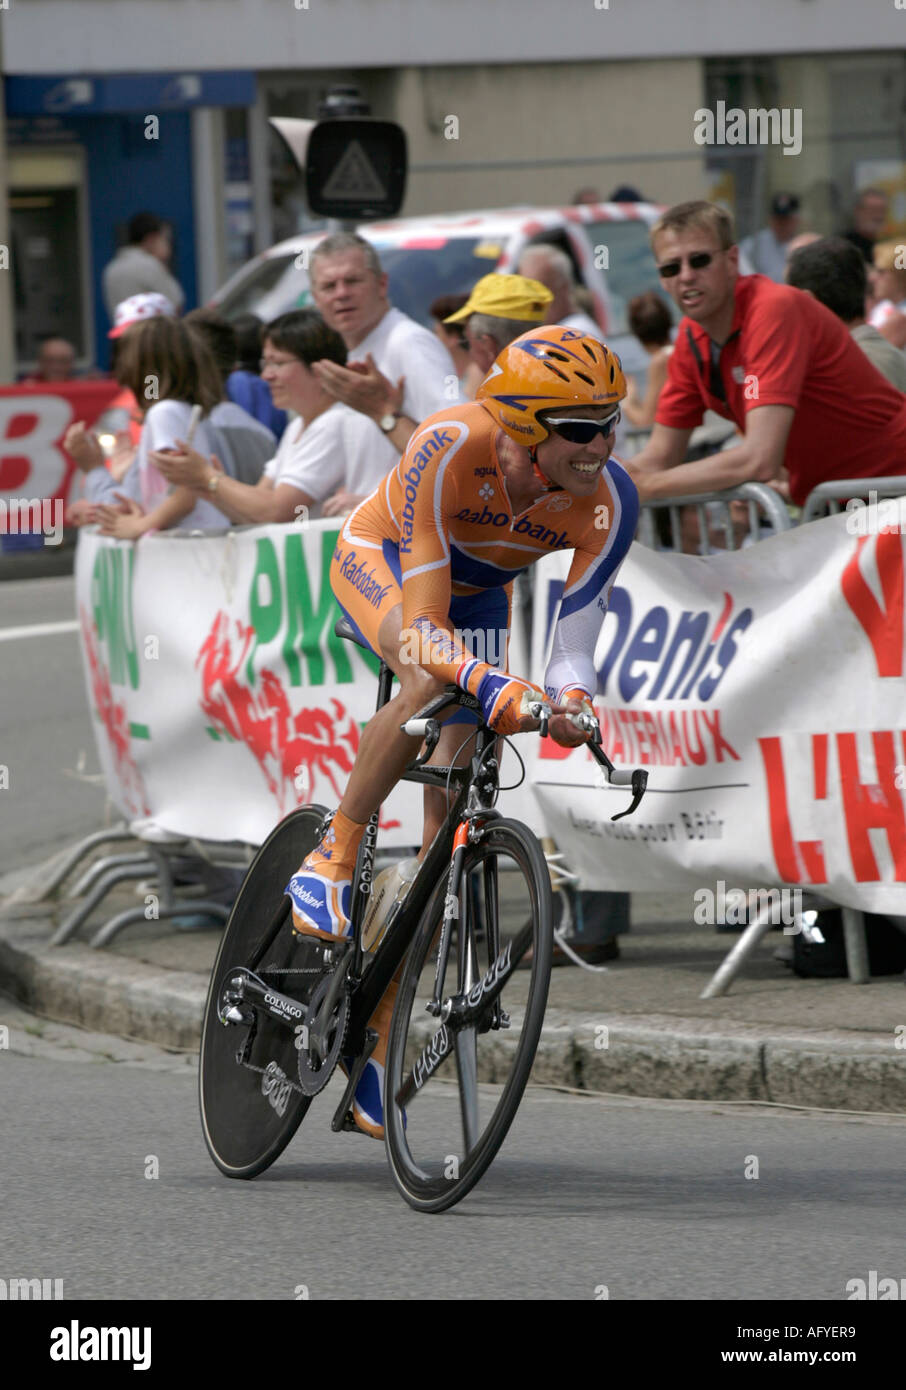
<point x="454" y="1078"/>
<point x="249" y="1092"/>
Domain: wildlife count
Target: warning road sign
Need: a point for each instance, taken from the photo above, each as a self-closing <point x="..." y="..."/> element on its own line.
<point x="354" y="178"/>
<point x="355" y="168"/>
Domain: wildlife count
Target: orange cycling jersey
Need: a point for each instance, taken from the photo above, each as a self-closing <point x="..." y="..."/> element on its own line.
<point x="440" y="528"/>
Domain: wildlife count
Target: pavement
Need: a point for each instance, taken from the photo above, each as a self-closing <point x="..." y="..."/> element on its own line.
<point x="638" y="1028"/>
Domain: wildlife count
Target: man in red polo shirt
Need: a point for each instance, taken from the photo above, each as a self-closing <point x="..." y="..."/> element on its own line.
<point x="772" y="359"/>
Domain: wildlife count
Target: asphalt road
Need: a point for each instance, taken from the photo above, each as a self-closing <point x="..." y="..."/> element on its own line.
<point x="649" y="1199"/>
<point x="46" y="735"/>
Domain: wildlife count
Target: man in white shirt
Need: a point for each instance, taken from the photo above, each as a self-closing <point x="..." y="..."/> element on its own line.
<point x="141" y="266"/>
<point x="767" y="251"/>
<point x="553" y="268"/>
<point x="399" y="372"/>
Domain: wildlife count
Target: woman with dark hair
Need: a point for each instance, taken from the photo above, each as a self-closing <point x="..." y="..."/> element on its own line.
<point x="324" y="461"/>
<point x="244" y="386"/>
<point x="651" y="322"/>
<point x="173" y="376"/>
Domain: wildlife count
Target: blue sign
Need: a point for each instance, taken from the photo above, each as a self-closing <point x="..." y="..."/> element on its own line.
<point x="147" y="92"/>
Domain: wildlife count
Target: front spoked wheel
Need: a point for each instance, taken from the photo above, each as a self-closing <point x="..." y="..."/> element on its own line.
<point x="454" y="1080"/>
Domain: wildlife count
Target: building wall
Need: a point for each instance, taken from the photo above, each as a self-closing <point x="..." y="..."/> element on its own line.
<point x="487" y="136"/>
<point x="135" y="35"/>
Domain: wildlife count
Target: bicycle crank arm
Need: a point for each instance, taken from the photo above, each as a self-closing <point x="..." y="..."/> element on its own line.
<point x="339" y="1120"/>
<point x="244" y="988"/>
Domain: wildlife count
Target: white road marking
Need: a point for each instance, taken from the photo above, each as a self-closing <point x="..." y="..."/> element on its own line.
<point x="12" y="634"/>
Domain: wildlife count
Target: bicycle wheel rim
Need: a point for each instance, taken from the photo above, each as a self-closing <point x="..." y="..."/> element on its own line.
<point x="444" y="1135"/>
<point x="250" y="1113"/>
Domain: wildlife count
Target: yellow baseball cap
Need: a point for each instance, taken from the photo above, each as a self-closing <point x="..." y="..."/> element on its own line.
<point x="506" y="297"/>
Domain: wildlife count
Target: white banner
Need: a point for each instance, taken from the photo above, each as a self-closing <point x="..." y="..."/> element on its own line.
<point x="221" y="695"/>
<point x="764" y="689"/>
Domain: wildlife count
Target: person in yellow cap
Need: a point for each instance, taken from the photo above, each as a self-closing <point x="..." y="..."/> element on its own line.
<point x="498" y="311"/>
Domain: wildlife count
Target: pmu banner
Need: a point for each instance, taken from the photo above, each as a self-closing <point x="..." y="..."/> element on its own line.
<point x="222" y="697"/>
<point x="34" y="466"/>
<point x="765" y="692"/>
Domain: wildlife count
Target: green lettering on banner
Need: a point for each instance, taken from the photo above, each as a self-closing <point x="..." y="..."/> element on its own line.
<point x="111" y="593"/>
<point x="307" y="625"/>
<point x="265" y="613"/>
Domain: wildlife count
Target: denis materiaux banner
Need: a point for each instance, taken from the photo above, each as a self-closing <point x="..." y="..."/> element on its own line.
<point x="765" y="691"/>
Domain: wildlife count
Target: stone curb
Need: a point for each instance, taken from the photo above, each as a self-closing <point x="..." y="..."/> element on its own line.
<point x="656" y="1055"/>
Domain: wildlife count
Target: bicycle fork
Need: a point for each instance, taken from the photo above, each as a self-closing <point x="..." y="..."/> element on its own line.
<point x="477" y="1002"/>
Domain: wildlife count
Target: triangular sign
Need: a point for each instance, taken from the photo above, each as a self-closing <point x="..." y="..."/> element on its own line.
<point x="354" y="178"/>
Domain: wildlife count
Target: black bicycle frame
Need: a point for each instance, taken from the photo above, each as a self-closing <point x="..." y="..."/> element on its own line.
<point x="369" y="984"/>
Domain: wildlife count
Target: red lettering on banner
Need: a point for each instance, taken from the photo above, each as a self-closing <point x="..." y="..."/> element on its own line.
<point x="33" y="420"/>
<point x="798" y="861"/>
<point x="698" y="755"/>
<point x="651" y="729"/>
<point x="872" y="806"/>
<point x="883" y="626"/>
<point x="676" y="750"/>
<point x="639" y="734"/>
<point x="719" y="741"/>
<point x="819" y="760"/>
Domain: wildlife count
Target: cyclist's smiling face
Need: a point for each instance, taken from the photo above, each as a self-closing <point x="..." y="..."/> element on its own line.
<point x="576" y="467"/>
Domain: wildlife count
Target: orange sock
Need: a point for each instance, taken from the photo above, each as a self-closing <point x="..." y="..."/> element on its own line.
<point x="334" y="857"/>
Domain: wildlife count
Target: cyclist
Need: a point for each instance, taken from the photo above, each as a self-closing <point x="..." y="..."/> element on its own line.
<point x="483" y="491"/>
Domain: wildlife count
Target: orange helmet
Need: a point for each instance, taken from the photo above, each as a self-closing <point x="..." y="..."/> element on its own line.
<point x="546" y="369"/>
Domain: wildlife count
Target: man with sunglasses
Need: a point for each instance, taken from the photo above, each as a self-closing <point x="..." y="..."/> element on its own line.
<point x="424" y="571"/>
<point x="768" y="357"/>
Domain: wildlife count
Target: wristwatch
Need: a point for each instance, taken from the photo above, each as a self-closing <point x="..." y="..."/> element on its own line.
<point x="213" y="481"/>
<point x="388" y="422"/>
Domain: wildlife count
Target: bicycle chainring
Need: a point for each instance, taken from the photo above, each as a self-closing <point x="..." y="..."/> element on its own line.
<point x="314" y="1070"/>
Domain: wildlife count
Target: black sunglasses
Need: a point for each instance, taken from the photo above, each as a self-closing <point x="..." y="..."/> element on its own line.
<point x="697" y="261"/>
<point x="583" y="431"/>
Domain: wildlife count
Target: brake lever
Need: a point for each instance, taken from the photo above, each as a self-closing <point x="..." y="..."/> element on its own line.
<point x="538" y="709"/>
<point x="637" y="780"/>
<point x="429" y="730"/>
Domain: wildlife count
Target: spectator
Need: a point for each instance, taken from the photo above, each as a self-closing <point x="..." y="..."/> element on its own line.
<point x="625" y="193"/>
<point x="164" y="362"/>
<point x="401" y="373"/>
<point x="553" y="268"/>
<point x="766" y="250"/>
<point x="888" y="283"/>
<point x="803" y="239"/>
<point x="586" y="194"/>
<point x="455" y="342"/>
<point x="868" y="218"/>
<point x="327" y="459"/>
<point x="244" y="445"/>
<point x="833" y="271"/>
<point x="651" y="322"/>
<point x="244" y="385"/>
<point x="140" y="267"/>
<point x="56" y="362"/>
<point x="496" y="312"/>
<point x="768" y="357"/>
<point x="105" y="475"/>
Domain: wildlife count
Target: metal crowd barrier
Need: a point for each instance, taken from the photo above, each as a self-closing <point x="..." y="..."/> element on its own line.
<point x="765" y="508"/>
<point x="825" y="499"/>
